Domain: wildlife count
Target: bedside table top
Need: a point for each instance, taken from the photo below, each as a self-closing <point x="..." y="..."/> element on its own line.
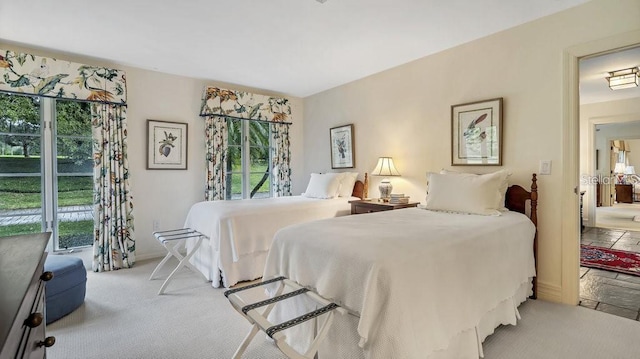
<point x="376" y="203"/>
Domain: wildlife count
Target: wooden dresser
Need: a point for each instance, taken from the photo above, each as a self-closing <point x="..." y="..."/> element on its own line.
<point x="624" y="193"/>
<point x="22" y="300"/>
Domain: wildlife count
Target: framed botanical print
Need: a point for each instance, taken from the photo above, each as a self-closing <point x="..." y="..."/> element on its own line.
<point x="166" y="145"/>
<point x="476" y="133"/>
<point x="342" y="147"/>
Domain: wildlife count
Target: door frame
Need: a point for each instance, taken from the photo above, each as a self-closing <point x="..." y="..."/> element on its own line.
<point x="570" y="227"/>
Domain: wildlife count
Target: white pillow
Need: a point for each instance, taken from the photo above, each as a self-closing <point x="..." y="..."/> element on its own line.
<point x="503" y="186"/>
<point x="323" y="185"/>
<point x="347" y="183"/>
<point x="466" y="193"/>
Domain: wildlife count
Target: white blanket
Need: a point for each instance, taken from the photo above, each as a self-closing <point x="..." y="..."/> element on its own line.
<point x="244" y="229"/>
<point x="415" y="277"/>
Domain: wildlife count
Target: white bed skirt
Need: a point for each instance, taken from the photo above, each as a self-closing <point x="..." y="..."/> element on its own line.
<point x="342" y="340"/>
<point x="248" y="267"/>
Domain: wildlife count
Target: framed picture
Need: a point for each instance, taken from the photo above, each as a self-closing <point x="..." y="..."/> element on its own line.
<point x="476" y="133"/>
<point x="342" y="147"/>
<point x="166" y="145"/>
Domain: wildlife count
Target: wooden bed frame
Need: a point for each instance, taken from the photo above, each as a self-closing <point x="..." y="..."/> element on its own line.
<point x="515" y="200"/>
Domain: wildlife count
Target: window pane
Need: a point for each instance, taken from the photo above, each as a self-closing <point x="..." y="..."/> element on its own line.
<point x="259" y="133"/>
<point x="234" y="159"/>
<point x="20" y="207"/>
<point x="75" y="191"/>
<point x="73" y="234"/>
<point x="20" y="153"/>
<point x="73" y="118"/>
<point x="259" y="158"/>
<point x="260" y="183"/>
<point x="74" y="155"/>
<point x="234" y="186"/>
<point x="234" y="127"/>
<point x="19" y="114"/>
<point x="20" y="192"/>
<point x="20" y="149"/>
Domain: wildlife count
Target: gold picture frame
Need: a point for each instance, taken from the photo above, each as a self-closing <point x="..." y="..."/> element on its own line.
<point x="166" y="145"/>
<point x="476" y="133"/>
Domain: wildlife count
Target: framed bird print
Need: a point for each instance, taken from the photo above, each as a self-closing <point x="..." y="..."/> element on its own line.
<point x="476" y="133"/>
<point x="342" y="147"/>
<point x="166" y="145"/>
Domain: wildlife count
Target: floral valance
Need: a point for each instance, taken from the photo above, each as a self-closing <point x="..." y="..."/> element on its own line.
<point x="240" y="104"/>
<point x="45" y="76"/>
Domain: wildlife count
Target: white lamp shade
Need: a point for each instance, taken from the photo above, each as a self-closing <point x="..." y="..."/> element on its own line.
<point x="385" y="167"/>
<point x="620" y="167"/>
<point x="630" y="170"/>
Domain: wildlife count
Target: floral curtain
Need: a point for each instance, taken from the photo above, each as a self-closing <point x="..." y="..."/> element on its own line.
<point x="114" y="244"/>
<point x="219" y="104"/>
<point x="46" y="76"/>
<point x="281" y="157"/>
<point x="216" y="136"/>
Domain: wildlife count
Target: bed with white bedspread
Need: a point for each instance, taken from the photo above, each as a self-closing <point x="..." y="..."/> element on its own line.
<point x="417" y="283"/>
<point x="240" y="231"/>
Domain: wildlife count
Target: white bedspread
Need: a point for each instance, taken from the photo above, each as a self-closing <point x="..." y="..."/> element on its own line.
<point x="245" y="228"/>
<point x="416" y="278"/>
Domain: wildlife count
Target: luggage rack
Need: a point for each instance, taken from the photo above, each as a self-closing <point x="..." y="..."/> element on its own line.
<point x="274" y="331"/>
<point x="172" y="240"/>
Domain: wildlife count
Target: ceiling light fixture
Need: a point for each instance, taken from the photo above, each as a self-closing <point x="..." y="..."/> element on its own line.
<point x="623" y="79"/>
<point x="321" y="1"/>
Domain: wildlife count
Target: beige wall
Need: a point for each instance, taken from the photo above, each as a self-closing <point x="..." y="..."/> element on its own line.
<point x="166" y="196"/>
<point x="405" y="112"/>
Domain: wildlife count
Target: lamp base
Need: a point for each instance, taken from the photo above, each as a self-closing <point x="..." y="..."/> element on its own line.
<point x="385" y="188"/>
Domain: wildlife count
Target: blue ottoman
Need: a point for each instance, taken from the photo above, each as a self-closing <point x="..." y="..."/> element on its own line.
<point x="65" y="292"/>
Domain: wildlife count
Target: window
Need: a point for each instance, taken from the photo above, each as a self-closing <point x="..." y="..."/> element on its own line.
<point x="248" y="160"/>
<point x="46" y="171"/>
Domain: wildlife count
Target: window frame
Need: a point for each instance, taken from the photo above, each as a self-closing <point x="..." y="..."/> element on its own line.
<point x="245" y="159"/>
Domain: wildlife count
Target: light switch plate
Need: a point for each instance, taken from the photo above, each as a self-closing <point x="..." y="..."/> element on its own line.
<point x="545" y="167"/>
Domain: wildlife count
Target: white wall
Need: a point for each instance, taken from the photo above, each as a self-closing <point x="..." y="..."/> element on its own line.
<point x="166" y="195"/>
<point x="405" y="112"/>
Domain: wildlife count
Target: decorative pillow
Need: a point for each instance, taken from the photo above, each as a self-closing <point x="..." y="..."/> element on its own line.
<point x="323" y="185"/>
<point x="503" y="188"/>
<point x="466" y="193"/>
<point x="347" y="183"/>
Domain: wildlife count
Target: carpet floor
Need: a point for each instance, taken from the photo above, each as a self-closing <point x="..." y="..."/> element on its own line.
<point x="123" y="317"/>
<point x="618" y="216"/>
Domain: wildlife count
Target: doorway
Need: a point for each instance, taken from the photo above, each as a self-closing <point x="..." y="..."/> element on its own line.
<point x="612" y="126"/>
<point x="46" y="170"/>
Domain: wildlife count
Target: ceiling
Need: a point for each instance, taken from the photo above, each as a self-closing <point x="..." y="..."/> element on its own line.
<point x="594" y="72"/>
<point x="294" y="47"/>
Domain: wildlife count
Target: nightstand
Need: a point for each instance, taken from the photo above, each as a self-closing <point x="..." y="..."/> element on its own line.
<point x="370" y="206"/>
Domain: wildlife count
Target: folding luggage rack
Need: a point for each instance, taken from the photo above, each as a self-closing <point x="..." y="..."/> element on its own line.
<point x="274" y="331"/>
<point x="172" y="240"/>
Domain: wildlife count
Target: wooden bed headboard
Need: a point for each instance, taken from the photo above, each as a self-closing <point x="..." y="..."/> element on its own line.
<point x="361" y="189"/>
<point x="515" y="200"/>
<point x="358" y="190"/>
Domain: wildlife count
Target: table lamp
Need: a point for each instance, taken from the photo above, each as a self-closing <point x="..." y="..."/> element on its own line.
<point x="386" y="168"/>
